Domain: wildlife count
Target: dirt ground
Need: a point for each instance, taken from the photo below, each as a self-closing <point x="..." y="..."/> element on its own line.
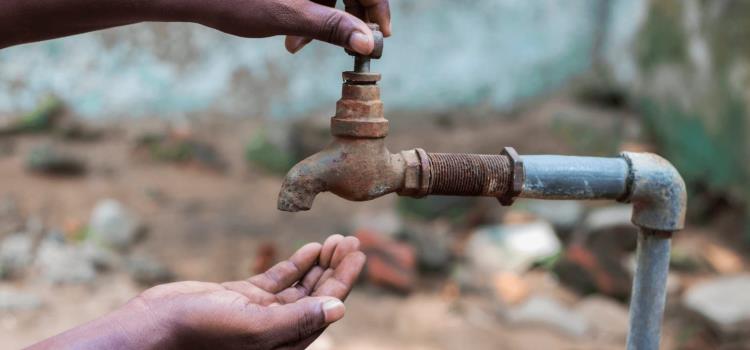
<point x="208" y="226"/>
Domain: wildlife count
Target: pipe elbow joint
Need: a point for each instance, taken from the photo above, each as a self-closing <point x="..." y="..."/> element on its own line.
<point x="657" y="192"/>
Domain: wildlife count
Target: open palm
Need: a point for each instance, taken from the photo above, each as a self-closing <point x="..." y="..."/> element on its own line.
<point x="286" y="307"/>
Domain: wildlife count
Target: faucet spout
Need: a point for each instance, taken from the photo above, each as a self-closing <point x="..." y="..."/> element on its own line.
<point x="354" y="169"/>
<point x="356" y="165"/>
<point x="302" y="184"/>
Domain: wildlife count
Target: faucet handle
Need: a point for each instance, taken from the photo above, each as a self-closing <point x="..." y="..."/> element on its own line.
<point x="377" y="51"/>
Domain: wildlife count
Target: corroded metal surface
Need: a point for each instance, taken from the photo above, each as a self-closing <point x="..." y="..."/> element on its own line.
<point x="377" y="50"/>
<point x="359" y="112"/>
<point x="469" y="174"/>
<point x="356" y="165"/>
<point x="518" y="172"/>
<point x="352" y="168"/>
<point x="658" y="193"/>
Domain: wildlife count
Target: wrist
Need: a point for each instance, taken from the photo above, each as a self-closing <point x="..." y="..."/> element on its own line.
<point x="132" y="326"/>
<point x="193" y="11"/>
<point x="141" y="328"/>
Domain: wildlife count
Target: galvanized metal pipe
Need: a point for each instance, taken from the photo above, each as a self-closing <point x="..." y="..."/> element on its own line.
<point x="658" y="195"/>
<point x="649" y="290"/>
<point x="569" y="177"/>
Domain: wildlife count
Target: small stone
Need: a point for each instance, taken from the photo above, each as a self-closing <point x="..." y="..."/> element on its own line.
<point x="11" y="301"/>
<point x="49" y="160"/>
<point x="609" y="230"/>
<point x="390" y="264"/>
<point x="563" y="215"/>
<point x="608" y="318"/>
<point x="103" y="258"/>
<point x="513" y="248"/>
<point x="724" y="302"/>
<point x="432" y="243"/>
<point x="723" y="260"/>
<point x="112" y="225"/>
<point x="606" y="217"/>
<point x="180" y="146"/>
<point x="62" y="263"/>
<point x="148" y="272"/>
<point x="510" y="288"/>
<point x="16" y="253"/>
<point x="589" y="271"/>
<point x="548" y="312"/>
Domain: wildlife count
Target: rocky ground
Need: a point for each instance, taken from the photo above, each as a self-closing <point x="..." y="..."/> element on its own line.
<point x="91" y="214"/>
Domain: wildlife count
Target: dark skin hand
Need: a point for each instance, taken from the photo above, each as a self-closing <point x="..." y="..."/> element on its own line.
<point x="287" y="307"/>
<point x="290" y="305"/>
<point x="24" y="21"/>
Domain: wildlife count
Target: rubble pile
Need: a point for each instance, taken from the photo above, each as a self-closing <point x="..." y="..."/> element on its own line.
<point x="39" y="254"/>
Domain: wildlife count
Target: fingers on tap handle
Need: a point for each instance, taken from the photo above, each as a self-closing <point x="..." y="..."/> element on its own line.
<point x="347" y="29"/>
<point x="376" y="11"/>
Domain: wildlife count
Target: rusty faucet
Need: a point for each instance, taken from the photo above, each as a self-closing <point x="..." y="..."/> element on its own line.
<point x="358" y="166"/>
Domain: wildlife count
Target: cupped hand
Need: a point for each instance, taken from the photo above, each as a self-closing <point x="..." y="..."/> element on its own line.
<point x="286" y="307"/>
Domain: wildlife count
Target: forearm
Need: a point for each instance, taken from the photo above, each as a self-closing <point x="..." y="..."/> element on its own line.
<point x="23" y="21"/>
<point x="130" y="327"/>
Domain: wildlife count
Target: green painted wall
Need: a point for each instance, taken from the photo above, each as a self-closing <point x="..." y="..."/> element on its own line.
<point x="692" y="85"/>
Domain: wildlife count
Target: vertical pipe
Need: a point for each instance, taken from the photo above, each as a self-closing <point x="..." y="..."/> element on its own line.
<point x="649" y="290"/>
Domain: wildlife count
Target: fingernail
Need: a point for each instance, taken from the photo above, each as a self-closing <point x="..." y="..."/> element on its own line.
<point x="389" y="30"/>
<point x="295" y="44"/>
<point x="360" y="42"/>
<point x="334" y="310"/>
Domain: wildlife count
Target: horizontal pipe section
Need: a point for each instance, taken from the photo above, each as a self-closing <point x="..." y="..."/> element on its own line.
<point x="569" y="177"/>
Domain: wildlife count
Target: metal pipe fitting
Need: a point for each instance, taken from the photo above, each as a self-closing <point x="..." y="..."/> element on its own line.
<point x="657" y="192"/>
<point x="646" y="180"/>
<point x="659" y="199"/>
<point x="358" y="166"/>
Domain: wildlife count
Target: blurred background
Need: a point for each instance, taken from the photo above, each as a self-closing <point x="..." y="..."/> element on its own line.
<point x="150" y="153"/>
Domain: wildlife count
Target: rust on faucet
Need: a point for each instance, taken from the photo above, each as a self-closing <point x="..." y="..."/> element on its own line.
<point x="358" y="166"/>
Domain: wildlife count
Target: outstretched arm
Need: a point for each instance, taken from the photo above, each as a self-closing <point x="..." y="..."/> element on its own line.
<point x="287" y="307"/>
<point x="24" y="21"/>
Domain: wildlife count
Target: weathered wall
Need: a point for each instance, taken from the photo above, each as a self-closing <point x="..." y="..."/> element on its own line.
<point x="446" y="53"/>
<point x="686" y="64"/>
